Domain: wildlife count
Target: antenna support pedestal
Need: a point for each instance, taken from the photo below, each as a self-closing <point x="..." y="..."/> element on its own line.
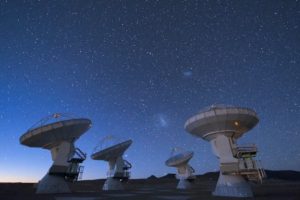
<point x="112" y="184"/>
<point x="52" y="184"/>
<point x="232" y="186"/>
<point x="184" y="184"/>
<point x="65" y="169"/>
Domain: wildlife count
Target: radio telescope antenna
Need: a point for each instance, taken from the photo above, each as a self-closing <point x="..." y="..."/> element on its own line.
<point x="118" y="167"/>
<point x="222" y="126"/>
<point x="184" y="170"/>
<point x="58" y="134"/>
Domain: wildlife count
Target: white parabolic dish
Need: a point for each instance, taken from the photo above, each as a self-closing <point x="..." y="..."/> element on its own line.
<point x="179" y="159"/>
<point x="111" y="152"/>
<point x="229" y="121"/>
<point x="50" y="135"/>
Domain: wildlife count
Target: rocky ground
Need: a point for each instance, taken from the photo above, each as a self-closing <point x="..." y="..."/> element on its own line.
<point x="155" y="188"/>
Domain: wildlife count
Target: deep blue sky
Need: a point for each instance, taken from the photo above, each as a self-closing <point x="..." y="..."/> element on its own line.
<point x="139" y="69"/>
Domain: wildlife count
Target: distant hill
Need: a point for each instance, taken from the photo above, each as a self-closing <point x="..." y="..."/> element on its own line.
<point x="168" y="176"/>
<point x="152" y="177"/>
<point x="208" y="176"/>
<point x="271" y="174"/>
<point x="283" y="175"/>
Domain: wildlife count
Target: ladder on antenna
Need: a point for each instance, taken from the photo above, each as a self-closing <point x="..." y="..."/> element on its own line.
<point x="75" y="170"/>
<point x="80" y="172"/>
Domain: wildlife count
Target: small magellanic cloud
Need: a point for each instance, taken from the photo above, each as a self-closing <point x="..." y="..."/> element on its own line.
<point x="187" y="73"/>
<point x="161" y="120"/>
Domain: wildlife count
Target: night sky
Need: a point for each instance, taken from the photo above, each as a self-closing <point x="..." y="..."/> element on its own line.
<point x="140" y="69"/>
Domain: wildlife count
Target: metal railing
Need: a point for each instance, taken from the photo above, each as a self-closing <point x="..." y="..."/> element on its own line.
<point x="81" y="156"/>
<point x="249" y="168"/>
<point x="245" y="151"/>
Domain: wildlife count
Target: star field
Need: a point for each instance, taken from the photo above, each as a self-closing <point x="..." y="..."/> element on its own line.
<point x="140" y="69"/>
